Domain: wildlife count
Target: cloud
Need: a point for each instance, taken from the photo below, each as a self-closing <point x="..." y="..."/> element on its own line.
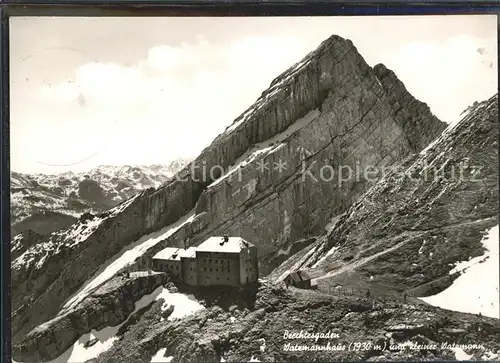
<point x="171" y="103"/>
<point x="166" y="58"/>
<point x="157" y="97"/>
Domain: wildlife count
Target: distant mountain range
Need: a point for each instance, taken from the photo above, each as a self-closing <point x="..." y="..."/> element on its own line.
<point x="46" y="203"/>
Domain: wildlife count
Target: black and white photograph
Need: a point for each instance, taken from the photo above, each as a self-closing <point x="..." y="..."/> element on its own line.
<point x="254" y="189"/>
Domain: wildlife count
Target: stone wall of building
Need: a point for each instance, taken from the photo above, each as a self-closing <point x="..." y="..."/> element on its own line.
<point x="249" y="270"/>
<point x="215" y="268"/>
<point x="172" y="267"/>
<point x="189" y="273"/>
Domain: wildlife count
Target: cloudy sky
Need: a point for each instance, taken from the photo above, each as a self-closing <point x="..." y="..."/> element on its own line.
<point x="92" y="91"/>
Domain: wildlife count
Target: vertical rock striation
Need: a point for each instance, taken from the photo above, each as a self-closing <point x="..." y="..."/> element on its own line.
<point x="329" y="112"/>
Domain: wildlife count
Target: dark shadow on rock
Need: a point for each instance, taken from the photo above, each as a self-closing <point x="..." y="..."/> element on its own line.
<point x="133" y="319"/>
<point x="222" y="296"/>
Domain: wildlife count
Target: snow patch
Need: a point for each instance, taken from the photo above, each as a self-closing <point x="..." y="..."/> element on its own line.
<point x="421" y="249"/>
<point x="240" y="119"/>
<point x="286" y="252"/>
<point x="252" y="184"/>
<point x="440" y="138"/>
<point x="460" y="354"/>
<point x="489" y="356"/>
<point x="242" y="162"/>
<point x="79" y="353"/>
<point x="159" y="357"/>
<point x="472" y="292"/>
<point x="267" y="147"/>
<point x="329" y="253"/>
<point x="263" y="345"/>
<point x="329" y="225"/>
<point x="464" y="265"/>
<point x="103" y="338"/>
<point x="67" y="238"/>
<point x="287" y="226"/>
<point x="184" y="305"/>
<point x="296" y="126"/>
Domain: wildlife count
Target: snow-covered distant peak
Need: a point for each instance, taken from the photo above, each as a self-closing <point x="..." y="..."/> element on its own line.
<point x="73" y="194"/>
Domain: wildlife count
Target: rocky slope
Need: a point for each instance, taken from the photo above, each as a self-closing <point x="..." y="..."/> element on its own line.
<point x="258" y="326"/>
<point x="22" y="242"/>
<point x="263" y="331"/>
<point x="260" y="179"/>
<point x="110" y="305"/>
<point x="425" y="216"/>
<point x="46" y="203"/>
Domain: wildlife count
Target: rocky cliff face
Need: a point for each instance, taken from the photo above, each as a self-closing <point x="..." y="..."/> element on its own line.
<point x="277" y="316"/>
<point x="329" y="110"/>
<point x="42" y="273"/>
<point x="109" y="305"/>
<point x="267" y="178"/>
<point x="427" y="214"/>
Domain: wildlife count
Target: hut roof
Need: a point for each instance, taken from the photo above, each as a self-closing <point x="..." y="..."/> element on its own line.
<point x="175" y="254"/>
<point x="218" y="244"/>
<point x="298" y="276"/>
